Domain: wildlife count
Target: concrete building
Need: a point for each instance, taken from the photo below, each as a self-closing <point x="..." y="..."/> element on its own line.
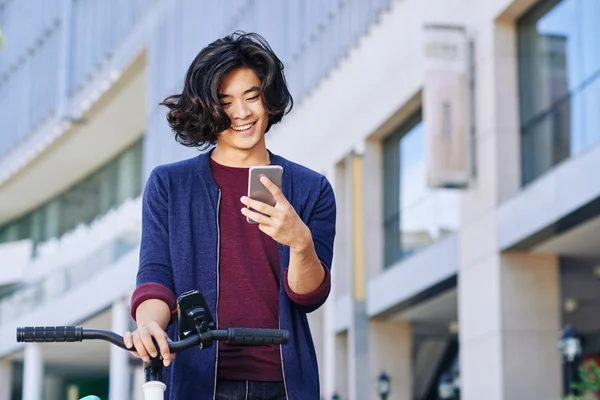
<point x="432" y="278"/>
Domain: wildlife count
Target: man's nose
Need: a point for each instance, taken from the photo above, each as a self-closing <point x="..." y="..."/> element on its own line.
<point x="241" y="110"/>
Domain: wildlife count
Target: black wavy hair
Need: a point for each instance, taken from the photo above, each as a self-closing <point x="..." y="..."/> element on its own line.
<point x="196" y="115"/>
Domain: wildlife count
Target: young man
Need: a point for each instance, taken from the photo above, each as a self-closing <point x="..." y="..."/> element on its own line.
<point x="196" y="235"/>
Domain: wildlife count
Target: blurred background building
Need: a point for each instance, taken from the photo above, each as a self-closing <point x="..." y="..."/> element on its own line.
<point x="461" y="137"/>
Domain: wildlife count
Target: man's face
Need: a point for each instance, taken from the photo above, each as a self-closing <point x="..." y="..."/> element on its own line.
<point x="240" y="97"/>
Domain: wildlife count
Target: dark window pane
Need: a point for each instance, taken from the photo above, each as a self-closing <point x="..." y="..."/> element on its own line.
<point x="559" y="66"/>
<point x="103" y="190"/>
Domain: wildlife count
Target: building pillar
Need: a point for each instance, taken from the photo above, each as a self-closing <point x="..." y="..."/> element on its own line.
<point x="342" y="369"/>
<point x="119" y="374"/>
<point x="358" y="354"/>
<point x="139" y="379"/>
<point x="53" y="387"/>
<point x="327" y="368"/>
<point x="33" y="372"/>
<point x="509" y="307"/>
<point x="390" y="351"/>
<point x="317" y="327"/>
<point x="6" y="379"/>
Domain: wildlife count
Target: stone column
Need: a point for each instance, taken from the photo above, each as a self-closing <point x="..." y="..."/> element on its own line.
<point x="119" y="374"/>
<point x="138" y="381"/>
<point x="341" y="367"/>
<point x="53" y="387"/>
<point x="6" y="376"/>
<point x="390" y="351"/>
<point x="358" y="353"/>
<point x="33" y="372"/>
<point x="327" y="367"/>
<point x="509" y="314"/>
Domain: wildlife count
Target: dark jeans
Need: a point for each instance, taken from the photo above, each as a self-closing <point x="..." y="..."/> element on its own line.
<point x="250" y="390"/>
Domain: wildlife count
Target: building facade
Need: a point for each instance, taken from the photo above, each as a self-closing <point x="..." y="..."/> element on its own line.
<point x="465" y="285"/>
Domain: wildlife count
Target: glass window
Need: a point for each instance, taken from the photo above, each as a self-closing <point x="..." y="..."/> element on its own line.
<point x="559" y="66"/>
<point x="108" y="187"/>
<point x="415" y="216"/>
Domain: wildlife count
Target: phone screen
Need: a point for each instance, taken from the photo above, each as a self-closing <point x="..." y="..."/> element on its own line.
<point x="258" y="191"/>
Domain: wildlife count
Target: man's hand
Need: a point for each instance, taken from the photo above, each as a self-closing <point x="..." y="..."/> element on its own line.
<point x="280" y="221"/>
<point x="142" y="346"/>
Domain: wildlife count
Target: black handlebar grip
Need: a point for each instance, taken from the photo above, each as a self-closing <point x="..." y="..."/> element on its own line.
<point x="256" y="337"/>
<point x="50" y="334"/>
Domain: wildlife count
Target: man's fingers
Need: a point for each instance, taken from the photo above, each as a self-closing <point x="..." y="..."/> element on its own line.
<point x="256" y="216"/>
<point x="257" y="205"/>
<point x="127" y="339"/>
<point x="274" y="189"/>
<point x="146" y="338"/>
<point x="139" y="346"/>
<point x="266" y="229"/>
<point x="161" y="339"/>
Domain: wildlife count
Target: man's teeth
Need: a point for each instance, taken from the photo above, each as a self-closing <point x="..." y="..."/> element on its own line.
<point x="242" y="127"/>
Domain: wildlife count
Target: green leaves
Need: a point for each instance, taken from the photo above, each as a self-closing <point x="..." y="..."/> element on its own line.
<point x="589" y="382"/>
<point x="1" y="40"/>
<point x="589" y="378"/>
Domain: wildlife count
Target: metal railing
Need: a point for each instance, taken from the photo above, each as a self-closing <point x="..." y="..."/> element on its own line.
<point x="570" y="126"/>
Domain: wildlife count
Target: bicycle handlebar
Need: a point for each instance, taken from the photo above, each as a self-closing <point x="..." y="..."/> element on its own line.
<point x="240" y="336"/>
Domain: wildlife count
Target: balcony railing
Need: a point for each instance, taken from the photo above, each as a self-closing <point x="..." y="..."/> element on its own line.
<point x="569" y="127"/>
<point x="32" y="295"/>
<point x="77" y="257"/>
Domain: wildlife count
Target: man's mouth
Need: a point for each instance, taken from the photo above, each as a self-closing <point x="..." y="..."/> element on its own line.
<point x="242" y="128"/>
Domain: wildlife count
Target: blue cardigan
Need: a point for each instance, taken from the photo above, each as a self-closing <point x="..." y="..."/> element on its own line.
<point x="179" y="250"/>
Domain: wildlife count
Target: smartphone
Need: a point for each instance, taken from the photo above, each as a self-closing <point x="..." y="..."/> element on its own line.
<point x="258" y="191"/>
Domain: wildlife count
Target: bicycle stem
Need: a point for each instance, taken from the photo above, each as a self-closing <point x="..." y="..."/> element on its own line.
<point x="153" y="369"/>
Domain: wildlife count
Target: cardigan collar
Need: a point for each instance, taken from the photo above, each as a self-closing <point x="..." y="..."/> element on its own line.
<point x="206" y="172"/>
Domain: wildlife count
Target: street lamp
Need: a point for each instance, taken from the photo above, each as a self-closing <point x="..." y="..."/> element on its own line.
<point x="446" y="386"/>
<point x="383" y="386"/>
<point x="570" y="347"/>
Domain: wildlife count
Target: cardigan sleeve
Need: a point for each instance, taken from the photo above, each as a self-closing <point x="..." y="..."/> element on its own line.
<point x="154" y="276"/>
<point x="321" y="224"/>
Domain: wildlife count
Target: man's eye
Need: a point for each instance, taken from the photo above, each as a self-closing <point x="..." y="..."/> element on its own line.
<point x="225" y="104"/>
<point x="254" y="98"/>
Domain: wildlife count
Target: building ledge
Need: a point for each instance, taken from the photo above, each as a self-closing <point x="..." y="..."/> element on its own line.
<point x="412" y="280"/>
<point x="556" y="202"/>
<point x="343" y="310"/>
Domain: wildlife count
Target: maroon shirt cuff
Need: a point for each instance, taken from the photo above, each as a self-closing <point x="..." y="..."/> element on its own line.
<point x="151" y="290"/>
<point x="313" y="298"/>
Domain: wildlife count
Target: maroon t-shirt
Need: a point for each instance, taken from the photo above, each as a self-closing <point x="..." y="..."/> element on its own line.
<point x="248" y="284"/>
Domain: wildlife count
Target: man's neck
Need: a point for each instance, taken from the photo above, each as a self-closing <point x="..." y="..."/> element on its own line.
<point x="240" y="158"/>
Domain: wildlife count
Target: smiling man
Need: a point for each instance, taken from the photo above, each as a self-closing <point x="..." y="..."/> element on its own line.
<point x="196" y="235"/>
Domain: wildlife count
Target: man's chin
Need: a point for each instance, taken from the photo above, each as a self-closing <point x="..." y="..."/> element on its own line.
<point x="249" y="143"/>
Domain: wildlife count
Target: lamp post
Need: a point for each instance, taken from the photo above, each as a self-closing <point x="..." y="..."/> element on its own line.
<point x="570" y="347"/>
<point x="383" y="386"/>
<point x="446" y="386"/>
